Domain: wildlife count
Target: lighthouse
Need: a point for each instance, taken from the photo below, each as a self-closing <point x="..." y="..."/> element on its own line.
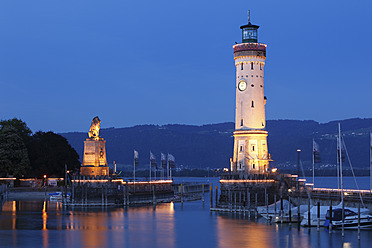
<point x="250" y="135"/>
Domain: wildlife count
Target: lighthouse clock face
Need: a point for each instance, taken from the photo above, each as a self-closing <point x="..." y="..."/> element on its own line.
<point x="242" y="85"/>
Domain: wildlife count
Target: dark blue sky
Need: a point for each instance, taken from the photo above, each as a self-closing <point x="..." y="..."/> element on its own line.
<point x="159" y="62"/>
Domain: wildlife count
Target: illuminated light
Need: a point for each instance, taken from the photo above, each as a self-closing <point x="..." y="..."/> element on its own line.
<point x="301" y="180"/>
<point x="289" y="190"/>
<point x="33" y="179"/>
<point x="246" y="181"/>
<point x="294" y="175"/>
<point x="225" y="169"/>
<point x="8" y="178"/>
<point x="298" y="150"/>
<point x="68" y="172"/>
<point x="120" y="181"/>
<point x="345" y="190"/>
<point x="273" y="170"/>
<point x="152" y="182"/>
<point x="91" y="180"/>
<point x="44" y="176"/>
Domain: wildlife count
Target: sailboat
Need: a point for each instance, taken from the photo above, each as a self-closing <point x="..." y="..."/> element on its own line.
<point x="347" y="218"/>
<point x="272" y="212"/>
<point x="324" y="210"/>
<point x="351" y="219"/>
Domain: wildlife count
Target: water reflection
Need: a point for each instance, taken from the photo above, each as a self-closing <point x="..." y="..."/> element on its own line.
<point x="47" y="224"/>
<point x="100" y="227"/>
<point x="241" y="232"/>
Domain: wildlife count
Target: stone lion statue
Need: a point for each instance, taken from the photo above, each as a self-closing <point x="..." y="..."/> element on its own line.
<point x="94" y="128"/>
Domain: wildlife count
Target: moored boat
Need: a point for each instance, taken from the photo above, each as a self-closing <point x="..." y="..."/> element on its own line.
<point x="58" y="196"/>
<point x="351" y="219"/>
<point x="323" y="213"/>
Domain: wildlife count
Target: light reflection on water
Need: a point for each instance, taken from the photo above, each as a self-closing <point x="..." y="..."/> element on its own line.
<point x="134" y="227"/>
<point x="47" y="224"/>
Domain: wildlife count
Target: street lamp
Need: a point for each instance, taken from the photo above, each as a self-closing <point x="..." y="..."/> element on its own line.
<point x="45" y="178"/>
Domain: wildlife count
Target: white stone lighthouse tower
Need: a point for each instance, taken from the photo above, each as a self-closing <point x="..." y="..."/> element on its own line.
<point x="250" y="136"/>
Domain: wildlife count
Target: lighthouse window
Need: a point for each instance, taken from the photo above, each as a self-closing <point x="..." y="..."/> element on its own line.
<point x="261" y="67"/>
<point x="252" y="148"/>
<point x="252" y="104"/>
<point x="241" y="148"/>
<point x="253" y="166"/>
<point x="252" y="85"/>
<point x="251" y="65"/>
<point x="240" y="165"/>
<point x="241" y="66"/>
<point x="241" y="122"/>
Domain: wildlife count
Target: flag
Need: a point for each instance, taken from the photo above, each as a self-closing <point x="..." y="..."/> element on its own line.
<point x="171" y="161"/>
<point x="136" y="158"/>
<point x="163" y="161"/>
<point x="342" y="152"/>
<point x="316" y="153"/>
<point x="153" y="161"/>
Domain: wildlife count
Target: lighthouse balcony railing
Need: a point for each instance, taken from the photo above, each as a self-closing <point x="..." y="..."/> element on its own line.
<point x="250" y="46"/>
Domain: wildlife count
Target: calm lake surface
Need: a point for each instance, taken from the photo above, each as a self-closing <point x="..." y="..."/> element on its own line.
<point x="47" y="224"/>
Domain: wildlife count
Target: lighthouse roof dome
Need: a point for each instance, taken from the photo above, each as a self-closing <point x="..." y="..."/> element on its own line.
<point x="249" y="25"/>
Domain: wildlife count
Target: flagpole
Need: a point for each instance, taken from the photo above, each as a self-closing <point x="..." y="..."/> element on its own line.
<point x="134" y="172"/>
<point x="313" y="163"/>
<point x="150" y="166"/>
<point x="168" y="166"/>
<point x="161" y="166"/>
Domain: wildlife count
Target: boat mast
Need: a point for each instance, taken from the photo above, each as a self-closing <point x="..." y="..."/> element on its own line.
<point x="370" y="162"/>
<point x="342" y="184"/>
<point x="340" y="160"/>
<point x="313" y="163"/>
<point x="338" y="165"/>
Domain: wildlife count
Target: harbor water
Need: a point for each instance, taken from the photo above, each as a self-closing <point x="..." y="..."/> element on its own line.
<point x="44" y="223"/>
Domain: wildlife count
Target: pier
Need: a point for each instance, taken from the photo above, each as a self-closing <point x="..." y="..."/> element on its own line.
<point x="326" y="196"/>
<point x="105" y="191"/>
<point x="240" y="191"/>
<point x="245" y="192"/>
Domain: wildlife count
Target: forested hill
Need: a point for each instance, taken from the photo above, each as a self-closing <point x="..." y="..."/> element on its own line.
<point x="212" y="145"/>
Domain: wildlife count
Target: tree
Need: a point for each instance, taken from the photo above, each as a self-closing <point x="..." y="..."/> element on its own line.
<point x="13" y="152"/>
<point x="49" y="152"/>
<point x="19" y="126"/>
